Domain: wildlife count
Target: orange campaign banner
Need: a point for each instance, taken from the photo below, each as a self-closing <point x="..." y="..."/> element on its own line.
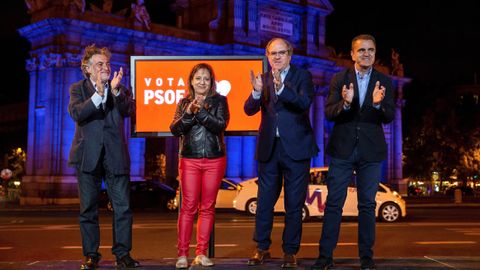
<point x="160" y="82"/>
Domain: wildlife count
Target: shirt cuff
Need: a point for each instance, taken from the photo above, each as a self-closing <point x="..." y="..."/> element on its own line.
<point x="96" y="99"/>
<point x="377" y="106"/>
<point x="117" y="94"/>
<point x="256" y="94"/>
<point x="279" y="92"/>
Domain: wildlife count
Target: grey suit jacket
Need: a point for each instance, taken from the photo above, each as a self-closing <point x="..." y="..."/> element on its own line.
<point x="96" y="129"/>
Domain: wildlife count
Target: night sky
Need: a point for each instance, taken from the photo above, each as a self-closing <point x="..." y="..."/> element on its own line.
<point x="15" y="51"/>
<point x="438" y="42"/>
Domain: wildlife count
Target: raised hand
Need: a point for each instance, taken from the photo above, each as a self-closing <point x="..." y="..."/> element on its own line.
<point x="277" y="80"/>
<point x="347" y="94"/>
<point x="256" y="81"/>
<point x="199" y="99"/>
<point x="117" y="77"/>
<point x="378" y="93"/>
<point x="99" y="84"/>
<point x="197" y="103"/>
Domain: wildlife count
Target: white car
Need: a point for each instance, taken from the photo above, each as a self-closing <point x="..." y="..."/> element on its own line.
<point x="227" y="192"/>
<point x="390" y="205"/>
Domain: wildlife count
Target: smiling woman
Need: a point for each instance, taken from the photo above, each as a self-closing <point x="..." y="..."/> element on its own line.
<point x="200" y="121"/>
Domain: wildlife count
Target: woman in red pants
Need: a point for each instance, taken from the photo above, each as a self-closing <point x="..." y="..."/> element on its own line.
<point x="200" y="121"/>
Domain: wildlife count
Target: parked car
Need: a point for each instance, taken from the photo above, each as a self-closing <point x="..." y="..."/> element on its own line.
<point x="390" y="205"/>
<point x="144" y="194"/>
<point x="466" y="190"/>
<point x="414" y="191"/>
<point x="226" y="194"/>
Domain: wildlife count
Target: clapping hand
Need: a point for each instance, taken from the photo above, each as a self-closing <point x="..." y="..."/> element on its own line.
<point x="277" y="80"/>
<point x="256" y="81"/>
<point x="196" y="104"/>
<point x="99" y="84"/>
<point x="378" y="93"/>
<point x="117" y="77"/>
<point x="347" y="94"/>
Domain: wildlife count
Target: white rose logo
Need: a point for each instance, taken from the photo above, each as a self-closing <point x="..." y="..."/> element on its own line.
<point x="223" y="87"/>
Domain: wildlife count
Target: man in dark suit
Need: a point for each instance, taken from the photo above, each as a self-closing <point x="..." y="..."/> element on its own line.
<point x="359" y="102"/>
<point x="284" y="148"/>
<point x="100" y="151"/>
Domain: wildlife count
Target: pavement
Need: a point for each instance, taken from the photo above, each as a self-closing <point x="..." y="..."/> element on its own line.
<point x="425" y="263"/>
<point x="412" y="202"/>
<point x="440" y="201"/>
<point x="413" y="263"/>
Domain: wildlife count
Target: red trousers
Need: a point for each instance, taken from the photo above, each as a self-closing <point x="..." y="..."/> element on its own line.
<point x="200" y="180"/>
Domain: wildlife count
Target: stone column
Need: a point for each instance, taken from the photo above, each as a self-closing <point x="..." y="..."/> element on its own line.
<point x="397" y="177"/>
<point x="171" y="151"/>
<point x="249" y="164"/>
<point x="31" y="67"/>
<point x="72" y="74"/>
<point x="48" y="180"/>
<point x="234" y="156"/>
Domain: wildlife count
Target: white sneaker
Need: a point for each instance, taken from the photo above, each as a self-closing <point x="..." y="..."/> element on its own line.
<point x="182" y="262"/>
<point x="203" y="261"/>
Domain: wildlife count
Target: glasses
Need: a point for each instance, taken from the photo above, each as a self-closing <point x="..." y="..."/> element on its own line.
<point x="279" y="53"/>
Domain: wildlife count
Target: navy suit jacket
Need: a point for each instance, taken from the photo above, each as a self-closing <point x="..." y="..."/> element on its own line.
<point x="290" y="112"/>
<point x="359" y="126"/>
<point x="96" y="128"/>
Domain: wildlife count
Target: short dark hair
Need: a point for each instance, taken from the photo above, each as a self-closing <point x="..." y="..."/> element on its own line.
<point x="89" y="52"/>
<point x="213" y="86"/>
<point x="364" y="37"/>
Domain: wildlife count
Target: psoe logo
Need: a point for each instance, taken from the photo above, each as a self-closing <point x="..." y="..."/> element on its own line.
<point x="223" y="87"/>
<point x="174" y="90"/>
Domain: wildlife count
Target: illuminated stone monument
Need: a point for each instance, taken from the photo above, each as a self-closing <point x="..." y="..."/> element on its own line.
<point x="60" y="30"/>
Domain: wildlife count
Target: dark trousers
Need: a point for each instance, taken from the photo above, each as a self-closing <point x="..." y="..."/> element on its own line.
<point x="118" y="188"/>
<point x="295" y="174"/>
<point x="339" y="176"/>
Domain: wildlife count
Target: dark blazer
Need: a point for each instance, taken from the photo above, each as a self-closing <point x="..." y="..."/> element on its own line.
<point x="202" y="135"/>
<point x="98" y="128"/>
<point x="290" y="112"/>
<point x="361" y="126"/>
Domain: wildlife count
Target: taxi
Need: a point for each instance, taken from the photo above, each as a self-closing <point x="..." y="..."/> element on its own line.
<point x="390" y="205"/>
<point x="229" y="189"/>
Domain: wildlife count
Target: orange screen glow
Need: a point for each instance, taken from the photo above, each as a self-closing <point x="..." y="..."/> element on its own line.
<point x="160" y="82"/>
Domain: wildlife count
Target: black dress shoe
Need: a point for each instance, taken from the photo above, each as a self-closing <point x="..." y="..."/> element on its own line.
<point x="90" y="263"/>
<point x="367" y="263"/>
<point x="323" y="263"/>
<point x="289" y="261"/>
<point x="259" y="257"/>
<point x="126" y="262"/>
